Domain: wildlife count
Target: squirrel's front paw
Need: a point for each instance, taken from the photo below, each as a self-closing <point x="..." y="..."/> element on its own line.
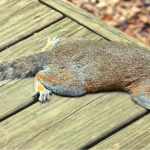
<point x="43" y="95"/>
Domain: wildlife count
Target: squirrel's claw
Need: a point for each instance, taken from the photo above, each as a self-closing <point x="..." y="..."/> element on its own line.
<point x="43" y="95"/>
<point x="51" y="43"/>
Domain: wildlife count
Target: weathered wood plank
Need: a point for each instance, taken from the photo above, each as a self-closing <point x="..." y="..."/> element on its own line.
<point x="38" y="118"/>
<point x="63" y="28"/>
<point x="12" y="94"/>
<point x="91" y="22"/>
<point x="33" y="120"/>
<point x="135" y="136"/>
<point x="68" y="123"/>
<point x="40" y="125"/>
<point x="19" y="19"/>
<point x="17" y="96"/>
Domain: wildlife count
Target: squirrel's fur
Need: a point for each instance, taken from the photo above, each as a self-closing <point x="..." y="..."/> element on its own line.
<point x="76" y="67"/>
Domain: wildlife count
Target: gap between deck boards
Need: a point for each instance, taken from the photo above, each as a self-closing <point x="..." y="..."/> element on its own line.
<point x="103" y="137"/>
<point x="27" y="36"/>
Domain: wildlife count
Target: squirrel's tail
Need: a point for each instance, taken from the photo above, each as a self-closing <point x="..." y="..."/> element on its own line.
<point x="20" y="68"/>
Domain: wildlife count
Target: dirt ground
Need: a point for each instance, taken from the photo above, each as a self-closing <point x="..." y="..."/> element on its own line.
<point x="129" y="16"/>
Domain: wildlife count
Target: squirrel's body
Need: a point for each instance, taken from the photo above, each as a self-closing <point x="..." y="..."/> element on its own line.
<point x="77" y="67"/>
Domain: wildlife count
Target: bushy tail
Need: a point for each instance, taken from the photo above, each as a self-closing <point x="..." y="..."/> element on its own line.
<point x="20" y="68"/>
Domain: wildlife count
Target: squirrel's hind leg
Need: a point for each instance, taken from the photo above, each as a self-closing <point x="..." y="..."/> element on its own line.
<point x="59" y="82"/>
<point x="140" y="92"/>
<point x="44" y="94"/>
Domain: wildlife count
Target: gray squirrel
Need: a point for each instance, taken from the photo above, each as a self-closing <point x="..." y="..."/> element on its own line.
<point x="74" y="67"/>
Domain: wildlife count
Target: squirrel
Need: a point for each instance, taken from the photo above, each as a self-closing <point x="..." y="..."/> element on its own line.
<point x="74" y="67"/>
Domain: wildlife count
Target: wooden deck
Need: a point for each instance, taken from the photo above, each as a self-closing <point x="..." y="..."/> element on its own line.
<point x="106" y="120"/>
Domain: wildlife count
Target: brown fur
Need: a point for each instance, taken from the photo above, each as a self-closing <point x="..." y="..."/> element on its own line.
<point x="80" y="66"/>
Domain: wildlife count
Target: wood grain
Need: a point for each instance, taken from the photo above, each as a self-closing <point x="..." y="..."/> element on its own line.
<point x="91" y="22"/>
<point x="68" y="123"/>
<point x="18" y="94"/>
<point x="20" y="19"/>
<point x="135" y="136"/>
<point x="64" y="122"/>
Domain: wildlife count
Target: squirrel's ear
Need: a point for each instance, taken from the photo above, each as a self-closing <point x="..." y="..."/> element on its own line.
<point x="142" y="100"/>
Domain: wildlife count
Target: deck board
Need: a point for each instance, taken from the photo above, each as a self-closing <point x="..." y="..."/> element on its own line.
<point x="64" y="122"/>
<point x="68" y="123"/>
<point x="63" y="28"/>
<point x="37" y="118"/>
<point x="19" y="98"/>
<point x="91" y="22"/>
<point x="135" y="136"/>
<point x="23" y="18"/>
